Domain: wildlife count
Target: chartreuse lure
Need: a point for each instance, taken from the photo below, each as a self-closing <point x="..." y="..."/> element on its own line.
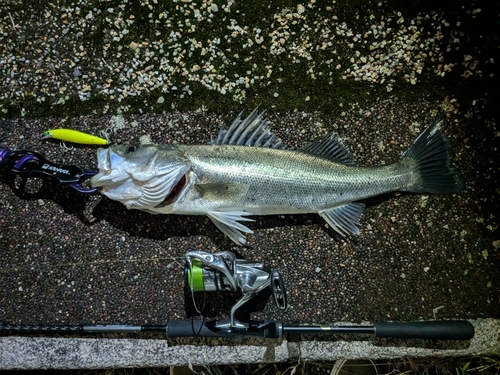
<point x="74" y="136"/>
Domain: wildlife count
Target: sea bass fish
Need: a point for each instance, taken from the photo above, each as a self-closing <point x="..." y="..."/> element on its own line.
<point x="247" y="171"/>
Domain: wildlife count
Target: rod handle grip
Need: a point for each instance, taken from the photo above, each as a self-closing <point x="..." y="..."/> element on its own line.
<point x="199" y="328"/>
<point x="430" y="330"/>
<point x="193" y="328"/>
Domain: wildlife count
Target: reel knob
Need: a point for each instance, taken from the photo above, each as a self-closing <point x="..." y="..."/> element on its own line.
<point x="278" y="290"/>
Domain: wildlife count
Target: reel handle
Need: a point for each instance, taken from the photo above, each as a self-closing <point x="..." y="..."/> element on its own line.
<point x="432" y="330"/>
<point x="278" y="290"/>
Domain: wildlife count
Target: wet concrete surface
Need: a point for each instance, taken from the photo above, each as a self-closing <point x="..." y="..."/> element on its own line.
<point x="68" y="258"/>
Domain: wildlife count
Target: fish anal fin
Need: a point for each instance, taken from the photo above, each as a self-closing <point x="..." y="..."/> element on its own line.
<point x="344" y="219"/>
<point x="228" y="223"/>
<point x="221" y="190"/>
<point x="330" y="147"/>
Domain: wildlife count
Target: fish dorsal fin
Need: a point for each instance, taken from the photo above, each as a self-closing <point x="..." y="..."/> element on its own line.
<point x="330" y="147"/>
<point x="251" y="131"/>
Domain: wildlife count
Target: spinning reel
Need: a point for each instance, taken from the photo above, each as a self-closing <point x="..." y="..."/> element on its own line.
<point x="222" y="271"/>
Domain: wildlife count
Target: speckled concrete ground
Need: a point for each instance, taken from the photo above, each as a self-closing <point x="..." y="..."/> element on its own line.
<point x="71" y="259"/>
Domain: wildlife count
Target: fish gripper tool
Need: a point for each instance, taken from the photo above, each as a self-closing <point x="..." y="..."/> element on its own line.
<point x="32" y="164"/>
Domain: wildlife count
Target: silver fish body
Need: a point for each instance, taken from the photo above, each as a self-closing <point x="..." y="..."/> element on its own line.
<point x="247" y="171"/>
<point x="263" y="181"/>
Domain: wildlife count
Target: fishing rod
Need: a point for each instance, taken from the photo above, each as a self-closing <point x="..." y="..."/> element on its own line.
<point x="429" y="330"/>
<point x="223" y="272"/>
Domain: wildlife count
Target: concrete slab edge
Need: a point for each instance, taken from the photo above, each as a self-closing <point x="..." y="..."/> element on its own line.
<point x="18" y="352"/>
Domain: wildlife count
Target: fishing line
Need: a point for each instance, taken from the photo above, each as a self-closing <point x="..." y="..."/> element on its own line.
<point x="48" y="265"/>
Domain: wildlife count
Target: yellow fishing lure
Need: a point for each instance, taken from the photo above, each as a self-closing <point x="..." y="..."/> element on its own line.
<point x="74" y="136"/>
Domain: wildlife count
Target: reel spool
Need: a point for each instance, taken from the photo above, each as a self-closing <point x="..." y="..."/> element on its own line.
<point x="222" y="271"/>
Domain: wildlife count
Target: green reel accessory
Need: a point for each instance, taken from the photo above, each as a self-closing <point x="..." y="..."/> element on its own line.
<point x="194" y="275"/>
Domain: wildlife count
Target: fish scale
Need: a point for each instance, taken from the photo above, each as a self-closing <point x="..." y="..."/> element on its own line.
<point x="284" y="181"/>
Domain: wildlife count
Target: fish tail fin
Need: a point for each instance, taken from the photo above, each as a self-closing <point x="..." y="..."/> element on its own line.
<point x="431" y="163"/>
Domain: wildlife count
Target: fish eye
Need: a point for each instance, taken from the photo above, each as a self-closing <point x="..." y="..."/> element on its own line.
<point x="131" y="149"/>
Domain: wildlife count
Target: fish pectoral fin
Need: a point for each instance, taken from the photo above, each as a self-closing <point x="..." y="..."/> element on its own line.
<point x="221" y="190"/>
<point x="344" y="219"/>
<point x="228" y="223"/>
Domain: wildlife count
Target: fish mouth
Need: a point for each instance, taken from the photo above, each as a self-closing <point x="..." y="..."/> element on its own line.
<point x="174" y="193"/>
<point x="104" y="160"/>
